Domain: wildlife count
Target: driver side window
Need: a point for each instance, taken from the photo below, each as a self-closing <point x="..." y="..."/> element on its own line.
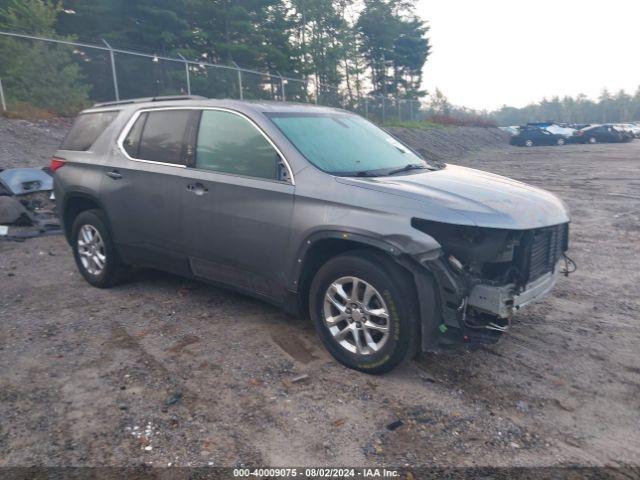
<point x="229" y="143"/>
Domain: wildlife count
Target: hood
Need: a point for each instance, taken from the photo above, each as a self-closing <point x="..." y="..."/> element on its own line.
<point x="485" y="199"/>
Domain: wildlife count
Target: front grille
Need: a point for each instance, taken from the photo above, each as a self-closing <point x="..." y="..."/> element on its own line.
<point x="541" y="250"/>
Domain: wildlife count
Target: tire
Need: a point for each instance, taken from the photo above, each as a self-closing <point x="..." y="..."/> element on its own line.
<point x="529" y="143"/>
<point x="91" y="240"/>
<point x="593" y="140"/>
<point x="393" y="292"/>
<point x="560" y="142"/>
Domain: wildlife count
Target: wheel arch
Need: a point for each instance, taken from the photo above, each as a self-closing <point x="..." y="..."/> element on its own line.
<point x="76" y="203"/>
<point x="320" y="247"/>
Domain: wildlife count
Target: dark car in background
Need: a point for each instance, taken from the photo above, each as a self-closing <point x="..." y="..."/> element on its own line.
<point x="601" y="134"/>
<point x="533" y="136"/>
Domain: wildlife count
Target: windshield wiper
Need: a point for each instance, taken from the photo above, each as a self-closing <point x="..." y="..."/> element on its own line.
<point x="365" y="173"/>
<point x="409" y="166"/>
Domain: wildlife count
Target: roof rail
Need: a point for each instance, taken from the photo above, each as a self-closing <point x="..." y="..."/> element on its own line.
<point x="165" y="98"/>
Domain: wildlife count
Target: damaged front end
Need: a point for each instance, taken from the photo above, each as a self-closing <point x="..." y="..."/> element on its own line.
<point x="485" y="275"/>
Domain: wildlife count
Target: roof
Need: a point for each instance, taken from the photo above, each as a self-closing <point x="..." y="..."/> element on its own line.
<point x="197" y="101"/>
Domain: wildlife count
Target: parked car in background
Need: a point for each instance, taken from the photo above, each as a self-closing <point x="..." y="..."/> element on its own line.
<point x="313" y="209"/>
<point x="601" y="134"/>
<point x="560" y="129"/>
<point x="579" y="126"/>
<point x="512" y="130"/>
<point x="533" y="136"/>
<point x="553" y="127"/>
<point x="632" y="128"/>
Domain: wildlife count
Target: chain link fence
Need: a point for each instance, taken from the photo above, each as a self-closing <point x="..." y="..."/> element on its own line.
<point x="108" y="73"/>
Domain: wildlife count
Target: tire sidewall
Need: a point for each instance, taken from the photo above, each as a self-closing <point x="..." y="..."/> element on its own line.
<point x="94" y="218"/>
<point x="402" y="319"/>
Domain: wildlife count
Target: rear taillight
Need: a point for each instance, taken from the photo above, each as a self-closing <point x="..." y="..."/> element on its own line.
<point x="56" y="163"/>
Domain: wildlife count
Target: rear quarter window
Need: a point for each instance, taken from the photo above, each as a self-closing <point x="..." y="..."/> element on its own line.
<point x="86" y="129"/>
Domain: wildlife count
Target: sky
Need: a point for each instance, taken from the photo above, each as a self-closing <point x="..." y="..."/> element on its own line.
<point x="487" y="53"/>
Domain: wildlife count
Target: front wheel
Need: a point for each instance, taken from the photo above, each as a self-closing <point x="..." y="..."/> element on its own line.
<point x="560" y="142"/>
<point x="365" y="310"/>
<point x="528" y="143"/>
<point x="593" y="140"/>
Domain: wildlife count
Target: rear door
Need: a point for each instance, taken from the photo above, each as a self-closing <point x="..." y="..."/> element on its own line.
<point x="142" y="188"/>
<point x="238" y="201"/>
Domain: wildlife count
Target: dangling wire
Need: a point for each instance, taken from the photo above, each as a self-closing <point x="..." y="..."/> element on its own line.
<point x="569" y="266"/>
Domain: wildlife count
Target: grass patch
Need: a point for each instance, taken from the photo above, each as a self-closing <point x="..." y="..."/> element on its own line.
<point x="26" y="111"/>
<point x="420" y="125"/>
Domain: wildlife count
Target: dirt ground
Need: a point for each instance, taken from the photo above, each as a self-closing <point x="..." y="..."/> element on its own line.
<point x="167" y="371"/>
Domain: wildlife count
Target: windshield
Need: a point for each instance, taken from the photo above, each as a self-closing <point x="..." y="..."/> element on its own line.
<point x="346" y="145"/>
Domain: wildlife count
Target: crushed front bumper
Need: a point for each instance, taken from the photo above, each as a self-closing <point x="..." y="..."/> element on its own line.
<point x="504" y="301"/>
<point x="473" y="311"/>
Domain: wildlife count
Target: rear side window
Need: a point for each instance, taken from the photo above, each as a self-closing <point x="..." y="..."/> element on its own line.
<point x="165" y="136"/>
<point x="86" y="130"/>
<point x="229" y="143"/>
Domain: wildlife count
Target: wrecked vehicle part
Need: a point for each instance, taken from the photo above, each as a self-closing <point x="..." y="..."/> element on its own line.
<point x="28" y="216"/>
<point x="20" y="181"/>
<point x="485" y="275"/>
<point x="22" y="234"/>
<point x="12" y="212"/>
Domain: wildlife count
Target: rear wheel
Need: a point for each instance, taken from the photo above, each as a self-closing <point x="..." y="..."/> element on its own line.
<point x="94" y="251"/>
<point x="528" y="143"/>
<point x="593" y="140"/>
<point x="560" y="141"/>
<point x="365" y="311"/>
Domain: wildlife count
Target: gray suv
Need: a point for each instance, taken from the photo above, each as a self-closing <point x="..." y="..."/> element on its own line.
<point x="313" y="209"/>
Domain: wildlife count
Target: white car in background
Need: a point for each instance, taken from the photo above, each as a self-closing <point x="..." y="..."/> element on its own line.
<point x="560" y="130"/>
<point x="633" y="128"/>
<point x="512" y="130"/>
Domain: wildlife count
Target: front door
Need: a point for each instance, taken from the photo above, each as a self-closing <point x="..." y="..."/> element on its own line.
<point x="238" y="206"/>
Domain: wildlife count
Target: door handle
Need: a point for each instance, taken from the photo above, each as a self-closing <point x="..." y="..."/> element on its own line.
<point x="116" y="175"/>
<point x="197" y="188"/>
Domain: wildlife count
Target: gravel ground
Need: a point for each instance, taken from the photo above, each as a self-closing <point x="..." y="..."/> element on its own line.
<point x="26" y="143"/>
<point x="165" y="370"/>
<point x="451" y="143"/>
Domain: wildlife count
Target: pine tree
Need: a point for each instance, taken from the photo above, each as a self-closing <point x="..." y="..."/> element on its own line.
<point x="41" y="74"/>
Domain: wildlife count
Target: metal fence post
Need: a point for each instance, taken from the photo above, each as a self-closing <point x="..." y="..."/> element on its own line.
<point x="399" y="109"/>
<point x="113" y="69"/>
<point x="366" y="108"/>
<point x="239" y="77"/>
<point x="186" y="71"/>
<point x="284" y="98"/>
<point x="4" y="105"/>
<point x="411" y="117"/>
<point x="384" y="110"/>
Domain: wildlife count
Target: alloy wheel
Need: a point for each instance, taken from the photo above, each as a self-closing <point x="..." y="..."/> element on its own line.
<point x="91" y="250"/>
<point x="356" y="315"/>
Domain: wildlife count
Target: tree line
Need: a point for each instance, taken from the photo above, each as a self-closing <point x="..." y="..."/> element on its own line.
<point x="362" y="48"/>
<point x="620" y="107"/>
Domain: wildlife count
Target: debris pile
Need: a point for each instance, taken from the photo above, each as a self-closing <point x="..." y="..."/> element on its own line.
<point x="27" y="204"/>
